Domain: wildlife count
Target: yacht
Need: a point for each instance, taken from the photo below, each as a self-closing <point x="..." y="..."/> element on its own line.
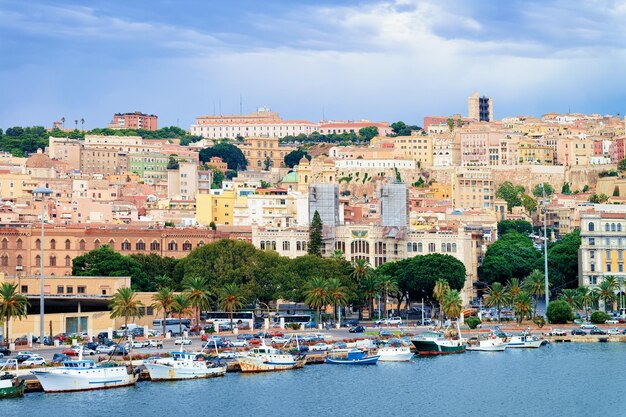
<point x="266" y="358"/>
<point x="491" y="343"/>
<point x="83" y="375"/>
<point x="525" y="340"/>
<point x="182" y="365"/>
<point x="395" y="354"/>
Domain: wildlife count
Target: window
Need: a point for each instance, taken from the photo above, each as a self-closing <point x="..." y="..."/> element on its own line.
<point x="420" y="247"/>
<point x="298" y="247"/>
<point x="619" y="227"/>
<point x="612" y="227"/>
<point x="37" y="260"/>
<point x="431" y="247"/>
<point x="19" y="260"/>
<point x="53" y="260"/>
<point x="67" y="244"/>
<point x="608" y="267"/>
<point x="24" y="289"/>
<point x="149" y="311"/>
<point x="81" y="289"/>
<point x="140" y="245"/>
<point x="19" y="243"/>
<point x="112" y="244"/>
<point x="286" y="245"/>
<point x="620" y="267"/>
<point x="53" y="244"/>
<point x="69" y="289"/>
<point x="606" y="227"/>
<point x="201" y="243"/>
<point x="593" y="280"/>
<point x="155" y="246"/>
<point x="454" y="247"/>
<point x="592" y="267"/>
<point x="5" y="243"/>
<point x="172" y="245"/>
<point x="60" y="289"/>
<point x="592" y="241"/>
<point x="592" y="226"/>
<point x="81" y="245"/>
<point x="4" y="260"/>
<point x="37" y="244"/>
<point x="68" y="261"/>
<point x="187" y="245"/>
<point x="126" y="245"/>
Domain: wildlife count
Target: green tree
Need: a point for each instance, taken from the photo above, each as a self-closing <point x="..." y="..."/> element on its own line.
<point x="218" y="179"/>
<point x="523" y="306"/>
<point x="621" y="165"/>
<point x="315" y="235"/>
<point x="538" y="189"/>
<point x="586" y="298"/>
<point x="338" y="293"/>
<point x="400" y="128"/>
<point x="231" y="299"/>
<point x="124" y="303"/>
<point x="520" y="226"/>
<point x="370" y="289"/>
<point x="232" y="155"/>
<point x="513" y="255"/>
<point x="317" y="295"/>
<point x="197" y="290"/>
<point x="606" y="290"/>
<point x="559" y="312"/>
<point x="163" y="301"/>
<point x="293" y="158"/>
<point x="512" y="194"/>
<point x="104" y="261"/>
<point x="368" y="133"/>
<point x="442" y="287"/>
<point x="387" y="284"/>
<point x="173" y="163"/>
<point x="565" y="189"/>
<point x="534" y="284"/>
<point x="599" y="317"/>
<point x="562" y="262"/>
<point x="598" y="199"/>
<point x="513" y="288"/>
<point x="182" y="308"/>
<point x="12" y="305"/>
<point x="529" y="203"/>
<point x="497" y="297"/>
<point x="571" y="297"/>
<point x="452" y="303"/>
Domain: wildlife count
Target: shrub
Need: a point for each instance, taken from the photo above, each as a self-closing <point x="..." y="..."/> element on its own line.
<point x="559" y="312"/>
<point x="472" y="322"/>
<point x="599" y="317"/>
<point x="539" y="321"/>
<point x="293" y="326"/>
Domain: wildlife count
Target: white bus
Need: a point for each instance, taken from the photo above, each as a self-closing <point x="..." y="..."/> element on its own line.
<point x="172" y="325"/>
<point x="241" y="319"/>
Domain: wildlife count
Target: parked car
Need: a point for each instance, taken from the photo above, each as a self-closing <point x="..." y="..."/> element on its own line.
<point x="350" y="323"/>
<point x="611" y="321"/>
<point x="276" y="333"/>
<point x="613" y="332"/>
<point x="90" y="345"/>
<point x="321" y="347"/>
<point x="120" y="351"/>
<point x="391" y="321"/>
<point x="34" y="360"/>
<point x="105" y="349"/>
<point x="182" y="341"/>
<point x="155" y="343"/>
<point x="240" y="343"/>
<point x="227" y="354"/>
<point x="70" y="351"/>
<point x="357" y="329"/>
<point x="588" y="326"/>
<point x="557" y="332"/>
<point x="21" y="358"/>
<point x="598" y="332"/>
<point x="385" y="333"/>
<point x="340" y="345"/>
<point x="262" y="335"/>
<point x="21" y="341"/>
<point x="4" y="352"/>
<point x="578" y="332"/>
<point x="138" y="344"/>
<point x="58" y="358"/>
<point x="279" y="340"/>
<point x="62" y="337"/>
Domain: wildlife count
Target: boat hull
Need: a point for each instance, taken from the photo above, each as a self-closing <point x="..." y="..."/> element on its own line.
<point x="395" y="355"/>
<point x="250" y="365"/>
<point x="160" y="372"/>
<point x="12" y="391"/>
<point x="371" y="360"/>
<point x="530" y="344"/>
<point x="496" y="348"/>
<point x="63" y="380"/>
<point x="427" y="347"/>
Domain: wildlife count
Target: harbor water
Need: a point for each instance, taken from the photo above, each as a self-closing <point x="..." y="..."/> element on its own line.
<point x="560" y="379"/>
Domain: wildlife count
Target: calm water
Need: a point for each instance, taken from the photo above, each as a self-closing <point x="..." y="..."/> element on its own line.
<point x="561" y="379"/>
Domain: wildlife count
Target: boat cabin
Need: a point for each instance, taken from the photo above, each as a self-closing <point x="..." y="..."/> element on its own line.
<point x="85" y="364"/>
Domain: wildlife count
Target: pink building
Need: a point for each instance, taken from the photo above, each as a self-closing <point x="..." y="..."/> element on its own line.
<point x="135" y="120"/>
<point x="434" y="120"/>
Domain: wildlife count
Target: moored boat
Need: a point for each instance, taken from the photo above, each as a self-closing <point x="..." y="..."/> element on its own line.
<point x="491" y="343"/>
<point x="395" y="354"/>
<point x="436" y="343"/>
<point x="10" y="385"/>
<point x="84" y="375"/>
<point x="266" y="359"/>
<point x="525" y="340"/>
<point x="182" y="365"/>
<point x="354" y="357"/>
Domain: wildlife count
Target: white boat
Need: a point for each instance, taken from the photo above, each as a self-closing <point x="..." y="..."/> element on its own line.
<point x="525" y="340"/>
<point x="395" y="354"/>
<point x="491" y="343"/>
<point x="266" y="358"/>
<point x="182" y="365"/>
<point x="83" y="375"/>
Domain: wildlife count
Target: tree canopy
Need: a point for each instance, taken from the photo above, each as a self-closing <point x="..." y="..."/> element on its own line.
<point x="293" y="158"/>
<point x="538" y="190"/>
<point x="368" y="133"/>
<point x="511" y="256"/>
<point x="230" y="154"/>
<point x="520" y="226"/>
<point x="400" y="128"/>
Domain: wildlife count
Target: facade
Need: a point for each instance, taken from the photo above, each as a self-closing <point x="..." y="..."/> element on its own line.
<point x="182" y="183"/>
<point x="261" y="151"/>
<point x="394" y="205"/>
<point x="152" y="167"/>
<point x="532" y="152"/>
<point x="473" y="188"/>
<point x="416" y="147"/>
<point x="480" y="108"/>
<point x="135" y="120"/>
<point x="324" y="198"/>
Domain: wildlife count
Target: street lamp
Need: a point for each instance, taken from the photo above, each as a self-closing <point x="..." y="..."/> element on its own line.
<point x="42" y="193"/>
<point x="545" y="243"/>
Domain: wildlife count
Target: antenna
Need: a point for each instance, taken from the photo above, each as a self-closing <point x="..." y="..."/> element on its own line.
<point x="240" y="104"/>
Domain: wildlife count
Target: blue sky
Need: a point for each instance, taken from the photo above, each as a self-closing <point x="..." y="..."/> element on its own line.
<point x="377" y="60"/>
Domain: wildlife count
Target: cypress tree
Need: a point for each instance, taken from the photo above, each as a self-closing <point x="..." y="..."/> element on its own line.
<point x="315" y="235"/>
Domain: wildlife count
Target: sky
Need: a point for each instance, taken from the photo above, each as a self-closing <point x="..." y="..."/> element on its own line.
<point x="342" y="60"/>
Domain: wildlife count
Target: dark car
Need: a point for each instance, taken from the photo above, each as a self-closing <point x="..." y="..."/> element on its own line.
<point x="120" y="351"/>
<point x="350" y="323"/>
<point x="579" y="332"/>
<point x="90" y="345"/>
<point x="357" y="329"/>
<point x="262" y="335"/>
<point x="4" y="352"/>
<point x="22" y="358"/>
<point x="58" y="358"/>
<point x="598" y="332"/>
<point x="21" y="341"/>
<point x="246" y="336"/>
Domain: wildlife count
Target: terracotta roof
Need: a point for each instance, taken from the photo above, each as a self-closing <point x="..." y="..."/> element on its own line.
<point x="39" y="160"/>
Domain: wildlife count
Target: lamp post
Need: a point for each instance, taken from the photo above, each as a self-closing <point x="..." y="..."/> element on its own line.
<point x="545" y="244"/>
<point x="42" y="193"/>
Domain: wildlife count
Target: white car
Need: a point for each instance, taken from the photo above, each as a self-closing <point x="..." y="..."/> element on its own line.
<point x="227" y="354"/>
<point x="557" y="332"/>
<point x="240" y="343"/>
<point x="104" y="349"/>
<point x="279" y="340"/>
<point x="612" y="321"/>
<point x="321" y="347"/>
<point x="588" y="326"/>
<point x="613" y="332"/>
<point x="182" y="341"/>
<point x="137" y="344"/>
<point x="155" y="343"/>
<point x="34" y="360"/>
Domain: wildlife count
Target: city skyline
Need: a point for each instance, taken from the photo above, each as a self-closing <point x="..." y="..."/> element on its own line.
<point x="378" y="60"/>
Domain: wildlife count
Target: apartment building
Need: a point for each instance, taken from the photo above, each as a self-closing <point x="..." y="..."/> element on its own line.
<point x="473" y="188"/>
<point x="134" y="120"/>
<point x="264" y="152"/>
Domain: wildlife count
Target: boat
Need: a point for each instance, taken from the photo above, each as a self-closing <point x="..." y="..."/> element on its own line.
<point x="182" y="365"/>
<point x="395" y="354"/>
<point x="354" y="357"/>
<point x="436" y="343"/>
<point x="267" y="359"/>
<point x="10" y="385"/>
<point x="85" y="375"/>
<point x="491" y="343"/>
<point x="525" y="340"/>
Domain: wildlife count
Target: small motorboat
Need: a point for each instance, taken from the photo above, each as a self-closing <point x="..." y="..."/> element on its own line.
<point x="355" y="357"/>
<point x="491" y="343"/>
<point x="525" y="340"/>
<point x="395" y="354"/>
<point x="10" y="385"/>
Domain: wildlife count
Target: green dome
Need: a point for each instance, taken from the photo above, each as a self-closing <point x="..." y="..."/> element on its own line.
<point x="291" y="177"/>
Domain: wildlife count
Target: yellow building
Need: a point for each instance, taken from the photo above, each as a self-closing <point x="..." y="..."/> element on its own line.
<point x="417" y="147"/>
<point x="473" y="188"/>
<point x="438" y="191"/>
<point x="216" y="207"/>
<point x="14" y="185"/>
<point x="532" y="152"/>
<point x="259" y="151"/>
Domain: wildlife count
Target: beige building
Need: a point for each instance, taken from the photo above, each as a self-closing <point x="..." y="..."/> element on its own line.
<point x="531" y="151"/>
<point x="182" y="183"/>
<point x="480" y="108"/>
<point x="417" y="147"/>
<point x="473" y="188"/>
<point x="261" y="151"/>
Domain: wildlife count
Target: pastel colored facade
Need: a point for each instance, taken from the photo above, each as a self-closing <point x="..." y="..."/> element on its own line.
<point x="434" y="120"/>
<point x="182" y="183"/>
<point x="274" y="207"/>
<point x="480" y="108"/>
<point x="152" y="167"/>
<point x="532" y="152"/>
<point x="446" y="151"/>
<point x="473" y="188"/>
<point x="416" y="147"/>
<point x="135" y="120"/>
<point x="339" y="127"/>
<point x="217" y="163"/>
<point x="375" y="164"/>
<point x="216" y="207"/>
<point x="13" y="185"/>
<point x="574" y="151"/>
<point x="259" y="150"/>
<point x="480" y="146"/>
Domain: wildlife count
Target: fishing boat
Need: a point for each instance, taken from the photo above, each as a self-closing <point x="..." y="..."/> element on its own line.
<point x="436" y="343"/>
<point x="490" y="343"/>
<point x="266" y="359"/>
<point x="182" y="365"/>
<point x="395" y="354"/>
<point x="525" y="340"/>
<point x="355" y="357"/>
<point x="10" y="385"/>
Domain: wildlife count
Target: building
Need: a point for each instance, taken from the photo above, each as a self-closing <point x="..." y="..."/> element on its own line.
<point x="324" y="198"/>
<point x="394" y="205"/>
<point x="264" y="152"/>
<point x="339" y="127"/>
<point x="417" y="147"/>
<point x="152" y="167"/>
<point x="533" y="152"/>
<point x="135" y="120"/>
<point x="480" y="108"/>
<point x="473" y="188"/>
<point x="182" y="183"/>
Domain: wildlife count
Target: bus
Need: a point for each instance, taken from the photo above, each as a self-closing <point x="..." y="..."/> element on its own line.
<point x="301" y="319"/>
<point x="172" y="325"/>
<point x="242" y="319"/>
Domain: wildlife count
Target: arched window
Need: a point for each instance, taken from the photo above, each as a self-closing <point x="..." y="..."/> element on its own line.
<point x="112" y="244"/>
<point x="298" y="246"/>
<point x="81" y="244"/>
<point x="612" y="227"/>
<point x="4" y="260"/>
<point x="304" y="245"/>
<point x="454" y="247"/>
<point x="360" y="246"/>
<point x="37" y="244"/>
<point x="273" y="245"/>
<point x="19" y="260"/>
<point x="592" y="226"/>
<point x="53" y="260"/>
<point x="420" y="247"/>
<point x="53" y="244"/>
<point x="37" y="260"/>
<point x="448" y="247"/>
<point x="607" y="227"/>
<point x="443" y="247"/>
<point x="19" y="243"/>
<point x="414" y="246"/>
<point x="187" y="245"/>
<point x="5" y="243"/>
<point x="263" y="245"/>
<point x="201" y="243"/>
<point x="140" y="245"/>
<point x="96" y="244"/>
<point x="619" y="227"/>
<point x="125" y="245"/>
<point x="172" y="246"/>
<point x="431" y="247"/>
<point x="68" y="244"/>
<point x="409" y="247"/>
<point x="155" y="246"/>
<point x="68" y="261"/>
<point x="286" y="245"/>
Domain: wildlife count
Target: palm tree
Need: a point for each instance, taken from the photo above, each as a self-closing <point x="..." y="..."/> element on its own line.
<point x="360" y="270"/>
<point x="12" y="305"/>
<point x="76" y="123"/>
<point x="197" y="289"/>
<point x="82" y="124"/>
<point x="606" y="290"/>
<point x="163" y="300"/>
<point x="317" y="295"/>
<point x="441" y="288"/>
<point x="387" y="284"/>
<point x="124" y="303"/>
<point x="534" y="284"/>
<point x="496" y="296"/>
<point x="63" y="122"/>
<point x="181" y="307"/>
<point x="370" y="289"/>
<point x="338" y="294"/>
<point x="571" y="297"/>
<point x="586" y="298"/>
<point x="523" y="306"/>
<point x="513" y="287"/>
<point x="452" y="303"/>
<point x="231" y="299"/>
